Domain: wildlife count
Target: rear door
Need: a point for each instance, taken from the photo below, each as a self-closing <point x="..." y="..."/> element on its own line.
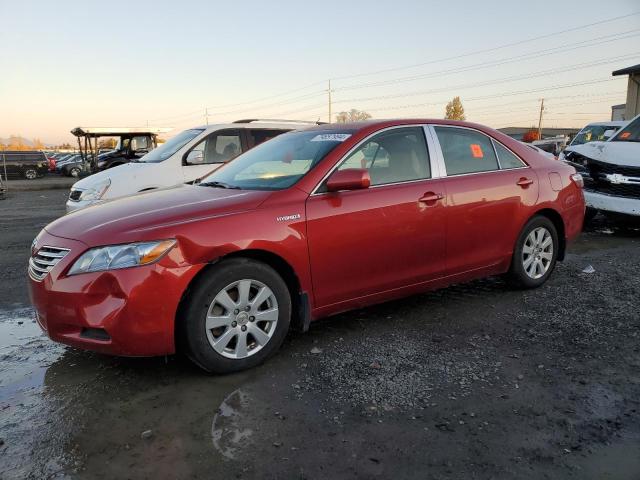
<point x="490" y="191"/>
<point x="385" y="237"/>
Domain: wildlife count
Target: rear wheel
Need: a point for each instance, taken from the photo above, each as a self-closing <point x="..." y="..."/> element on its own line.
<point x="74" y="172"/>
<point x="30" y="174"/>
<point x="236" y="316"/>
<point x="535" y="254"/>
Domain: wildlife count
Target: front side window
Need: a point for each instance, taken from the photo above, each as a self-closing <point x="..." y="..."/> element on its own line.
<point x="508" y="160"/>
<point x="219" y="147"/>
<point x="630" y="133"/>
<point x="466" y="151"/>
<point x="278" y="163"/>
<point x="398" y="155"/>
<point x="171" y="146"/>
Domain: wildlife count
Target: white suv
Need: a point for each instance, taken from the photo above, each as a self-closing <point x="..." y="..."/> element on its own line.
<point x="184" y="158"/>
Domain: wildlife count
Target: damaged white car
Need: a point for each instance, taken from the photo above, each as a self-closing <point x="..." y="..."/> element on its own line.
<point x="611" y="172"/>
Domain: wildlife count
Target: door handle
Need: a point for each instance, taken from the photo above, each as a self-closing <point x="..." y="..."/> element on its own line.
<point x="431" y="198"/>
<point x="524" y="182"/>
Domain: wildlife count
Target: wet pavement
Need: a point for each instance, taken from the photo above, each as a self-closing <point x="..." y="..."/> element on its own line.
<point x="473" y="381"/>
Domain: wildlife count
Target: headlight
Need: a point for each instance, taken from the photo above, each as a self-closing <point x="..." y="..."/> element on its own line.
<point x="121" y="256"/>
<point x="96" y="192"/>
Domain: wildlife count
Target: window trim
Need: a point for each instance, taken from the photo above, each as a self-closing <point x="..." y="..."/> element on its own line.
<point x="428" y="142"/>
<point x="443" y="166"/>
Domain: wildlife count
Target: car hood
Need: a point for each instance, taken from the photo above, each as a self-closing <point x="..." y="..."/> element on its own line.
<point x="616" y="153"/>
<point x="126" y="171"/>
<point x="145" y="216"/>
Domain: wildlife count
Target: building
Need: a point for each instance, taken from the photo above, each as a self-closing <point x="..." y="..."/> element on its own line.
<point x="633" y="90"/>
<point x="518" y="132"/>
<point x="618" y="112"/>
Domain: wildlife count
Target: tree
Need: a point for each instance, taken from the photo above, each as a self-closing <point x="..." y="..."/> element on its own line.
<point x="352" y="115"/>
<point x="37" y="144"/>
<point x="531" y="135"/>
<point x="455" y="110"/>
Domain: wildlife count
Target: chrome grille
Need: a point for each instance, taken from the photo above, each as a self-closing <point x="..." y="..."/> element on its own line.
<point x="44" y="260"/>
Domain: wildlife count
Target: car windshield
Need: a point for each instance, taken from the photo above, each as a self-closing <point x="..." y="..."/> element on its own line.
<point x="171" y="146"/>
<point x="278" y="163"/>
<point x="592" y="133"/>
<point x="630" y="133"/>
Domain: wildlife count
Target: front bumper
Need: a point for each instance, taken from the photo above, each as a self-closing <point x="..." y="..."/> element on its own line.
<point x="611" y="203"/>
<point x="128" y="312"/>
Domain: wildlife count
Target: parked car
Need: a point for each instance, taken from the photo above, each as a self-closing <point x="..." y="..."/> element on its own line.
<point x="593" y="132"/>
<point x="553" y="145"/>
<point x="542" y="152"/>
<point x="611" y="171"/>
<point x="24" y="164"/>
<point x="296" y="229"/>
<point x="184" y="158"/>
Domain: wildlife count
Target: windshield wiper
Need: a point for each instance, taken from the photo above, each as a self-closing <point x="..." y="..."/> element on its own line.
<point x="219" y="185"/>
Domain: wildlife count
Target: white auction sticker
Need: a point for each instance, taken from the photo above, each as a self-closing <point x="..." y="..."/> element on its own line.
<point x="331" y="137"/>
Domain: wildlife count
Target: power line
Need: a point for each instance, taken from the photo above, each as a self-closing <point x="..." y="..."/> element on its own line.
<point x="455" y="57"/>
<point x="492" y="49"/>
<point x="500" y="80"/>
<point x="495" y="63"/>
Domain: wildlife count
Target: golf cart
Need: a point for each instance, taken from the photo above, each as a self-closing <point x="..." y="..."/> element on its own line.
<point x="131" y="143"/>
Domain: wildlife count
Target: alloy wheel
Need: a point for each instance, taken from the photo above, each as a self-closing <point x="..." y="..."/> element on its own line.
<point x="30" y="174"/>
<point x="241" y="319"/>
<point x="537" y="252"/>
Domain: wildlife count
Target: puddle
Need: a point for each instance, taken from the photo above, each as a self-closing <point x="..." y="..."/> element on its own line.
<point x="25" y="354"/>
<point x="229" y="437"/>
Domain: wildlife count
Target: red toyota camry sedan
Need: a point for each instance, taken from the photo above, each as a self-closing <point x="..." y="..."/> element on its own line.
<point x="309" y="224"/>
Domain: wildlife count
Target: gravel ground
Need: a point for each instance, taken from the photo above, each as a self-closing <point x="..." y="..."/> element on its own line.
<point x="475" y="381"/>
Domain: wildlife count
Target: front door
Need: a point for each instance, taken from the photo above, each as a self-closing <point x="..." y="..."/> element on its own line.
<point x="212" y="152"/>
<point x="388" y="236"/>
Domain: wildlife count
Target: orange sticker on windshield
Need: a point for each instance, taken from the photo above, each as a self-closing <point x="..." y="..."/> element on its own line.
<point x="624" y="135"/>
<point x="476" y="150"/>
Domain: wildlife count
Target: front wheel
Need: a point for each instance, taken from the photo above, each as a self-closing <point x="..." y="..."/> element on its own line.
<point x="74" y="172"/>
<point x="236" y="316"/>
<point x="535" y="254"/>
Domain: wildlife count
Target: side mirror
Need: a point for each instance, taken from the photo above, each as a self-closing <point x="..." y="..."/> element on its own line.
<point x="609" y="133"/>
<point x="195" y="157"/>
<point x="349" y="179"/>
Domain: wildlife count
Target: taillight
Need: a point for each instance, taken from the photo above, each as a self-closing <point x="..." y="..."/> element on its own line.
<point x="577" y="179"/>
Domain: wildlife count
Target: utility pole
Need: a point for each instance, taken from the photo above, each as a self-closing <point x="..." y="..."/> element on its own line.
<point x="329" y="91"/>
<point x="540" y="119"/>
<point x="206" y="115"/>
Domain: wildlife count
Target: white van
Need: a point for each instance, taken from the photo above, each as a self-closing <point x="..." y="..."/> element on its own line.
<point x="183" y="158"/>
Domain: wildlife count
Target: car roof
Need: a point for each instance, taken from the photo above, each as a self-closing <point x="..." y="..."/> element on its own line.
<point x="613" y="123"/>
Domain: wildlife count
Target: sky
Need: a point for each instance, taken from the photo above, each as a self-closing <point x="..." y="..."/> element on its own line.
<point x="181" y="63"/>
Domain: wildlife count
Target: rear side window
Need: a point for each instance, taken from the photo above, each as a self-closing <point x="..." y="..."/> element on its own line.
<point x="259" y="136"/>
<point x="507" y="159"/>
<point x="466" y="151"/>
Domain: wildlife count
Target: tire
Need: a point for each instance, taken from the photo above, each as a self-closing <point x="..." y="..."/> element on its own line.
<point x="30" y="174"/>
<point x="523" y="273"/>
<point x="74" y="172"/>
<point x="221" y="349"/>
<point x="590" y="214"/>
